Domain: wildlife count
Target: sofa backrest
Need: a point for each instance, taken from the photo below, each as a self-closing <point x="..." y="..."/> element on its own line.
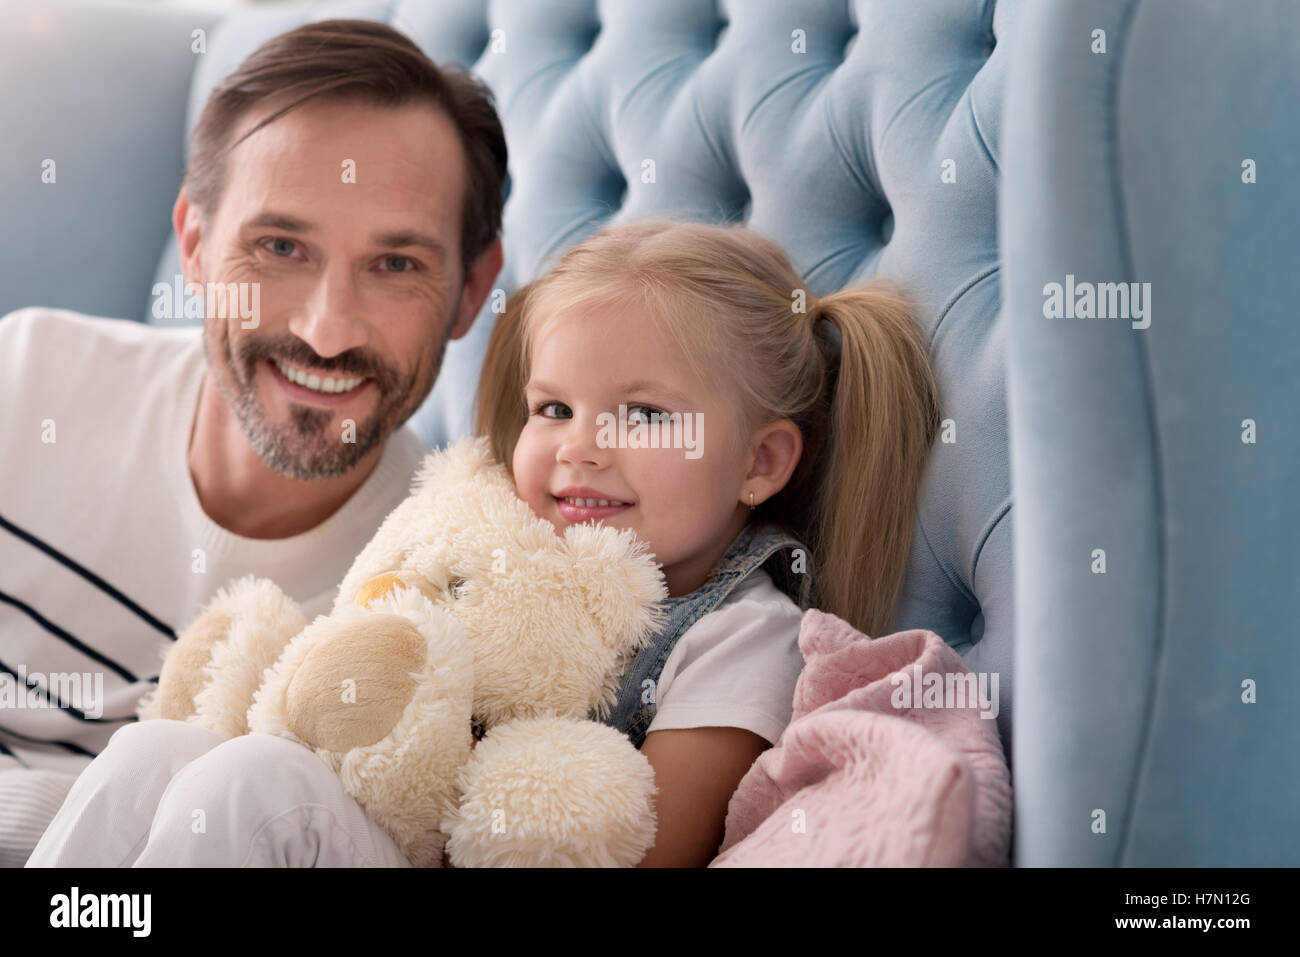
<point x="1154" y="147"/>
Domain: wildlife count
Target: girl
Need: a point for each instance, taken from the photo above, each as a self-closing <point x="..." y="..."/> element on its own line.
<point x="816" y="418"/>
<point x="673" y="378"/>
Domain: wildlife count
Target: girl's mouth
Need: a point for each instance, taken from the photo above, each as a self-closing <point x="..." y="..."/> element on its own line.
<point x="585" y="509"/>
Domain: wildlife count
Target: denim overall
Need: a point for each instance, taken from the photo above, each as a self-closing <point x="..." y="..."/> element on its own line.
<point x="769" y="546"/>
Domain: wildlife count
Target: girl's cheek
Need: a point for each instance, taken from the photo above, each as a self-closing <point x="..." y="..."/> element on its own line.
<point x="522" y="466"/>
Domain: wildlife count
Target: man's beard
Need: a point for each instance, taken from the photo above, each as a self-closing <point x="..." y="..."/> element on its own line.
<point x="305" y="447"/>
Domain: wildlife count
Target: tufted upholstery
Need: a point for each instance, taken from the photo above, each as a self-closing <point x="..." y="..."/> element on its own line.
<point x="1128" y="167"/>
<point x="838" y="153"/>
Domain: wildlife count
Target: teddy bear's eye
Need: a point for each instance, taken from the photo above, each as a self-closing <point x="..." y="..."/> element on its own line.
<point x="456" y="587"/>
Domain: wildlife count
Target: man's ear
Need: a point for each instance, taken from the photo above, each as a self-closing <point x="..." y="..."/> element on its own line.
<point x="774" y="454"/>
<point x="478" y="286"/>
<point x="187" y="220"/>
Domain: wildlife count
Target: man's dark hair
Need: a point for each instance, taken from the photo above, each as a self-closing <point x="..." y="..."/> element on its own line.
<point x="372" y="62"/>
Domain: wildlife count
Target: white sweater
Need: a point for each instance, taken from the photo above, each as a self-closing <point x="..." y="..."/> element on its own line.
<point x="105" y="551"/>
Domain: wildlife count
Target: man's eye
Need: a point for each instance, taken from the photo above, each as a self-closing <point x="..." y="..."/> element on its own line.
<point x="401" y="263"/>
<point x="638" y="414"/>
<point x="281" y="247"/>
<point x="562" y="411"/>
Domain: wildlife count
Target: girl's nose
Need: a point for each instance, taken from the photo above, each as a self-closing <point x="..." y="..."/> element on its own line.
<point x="579" y="446"/>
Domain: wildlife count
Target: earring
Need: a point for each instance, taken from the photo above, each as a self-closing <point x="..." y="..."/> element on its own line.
<point x="751" y="501"/>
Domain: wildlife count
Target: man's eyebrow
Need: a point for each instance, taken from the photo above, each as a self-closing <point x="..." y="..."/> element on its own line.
<point x="290" y="224"/>
<point x="406" y="237"/>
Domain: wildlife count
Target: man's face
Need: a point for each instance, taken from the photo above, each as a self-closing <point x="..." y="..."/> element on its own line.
<point x="347" y="216"/>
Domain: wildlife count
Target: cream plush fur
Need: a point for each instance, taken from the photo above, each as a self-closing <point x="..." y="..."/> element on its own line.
<point x="464" y="608"/>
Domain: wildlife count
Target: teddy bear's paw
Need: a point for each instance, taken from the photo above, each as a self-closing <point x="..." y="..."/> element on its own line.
<point x="355" y="682"/>
<point x="553" y="792"/>
<point x="212" y="671"/>
<point x="384" y="696"/>
<point x="182" y="675"/>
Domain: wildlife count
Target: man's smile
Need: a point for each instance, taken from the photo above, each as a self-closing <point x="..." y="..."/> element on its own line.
<point x="318" y="382"/>
<point x="315" y="388"/>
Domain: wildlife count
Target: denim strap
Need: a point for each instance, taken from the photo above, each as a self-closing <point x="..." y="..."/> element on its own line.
<point x="754" y="547"/>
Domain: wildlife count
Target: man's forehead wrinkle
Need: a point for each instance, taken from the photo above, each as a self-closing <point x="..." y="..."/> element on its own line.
<point x="285" y="165"/>
<point x="289" y="190"/>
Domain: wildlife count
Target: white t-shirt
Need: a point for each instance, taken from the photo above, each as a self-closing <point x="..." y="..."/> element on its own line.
<point x="737" y="666"/>
<point x="103" y="542"/>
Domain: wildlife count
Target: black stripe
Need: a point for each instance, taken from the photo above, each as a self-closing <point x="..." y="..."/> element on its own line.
<point x="4" y="749"/>
<point x="55" y="630"/>
<point x="65" y="708"/>
<point x="88" y="575"/>
<point x="66" y="745"/>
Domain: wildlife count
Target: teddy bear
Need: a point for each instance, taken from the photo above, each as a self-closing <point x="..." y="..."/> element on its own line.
<point x="457" y="684"/>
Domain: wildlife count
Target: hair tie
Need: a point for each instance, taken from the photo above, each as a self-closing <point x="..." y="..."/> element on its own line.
<point x="819" y="313"/>
<point x="825" y="331"/>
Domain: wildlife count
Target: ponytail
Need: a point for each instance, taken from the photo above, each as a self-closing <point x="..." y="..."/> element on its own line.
<point x="882" y="418"/>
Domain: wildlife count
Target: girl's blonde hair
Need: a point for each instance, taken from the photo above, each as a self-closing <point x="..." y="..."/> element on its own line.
<point x="849" y="369"/>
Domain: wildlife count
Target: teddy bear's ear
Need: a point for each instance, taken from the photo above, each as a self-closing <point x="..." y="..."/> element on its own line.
<point x="620" y="577"/>
<point x="463" y="471"/>
<point x="464" y="461"/>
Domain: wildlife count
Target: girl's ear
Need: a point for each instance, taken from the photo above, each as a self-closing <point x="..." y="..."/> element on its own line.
<point x="620" y="578"/>
<point x="775" y="453"/>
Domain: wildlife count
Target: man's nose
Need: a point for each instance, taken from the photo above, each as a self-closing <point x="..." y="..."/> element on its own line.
<point x="330" y="319"/>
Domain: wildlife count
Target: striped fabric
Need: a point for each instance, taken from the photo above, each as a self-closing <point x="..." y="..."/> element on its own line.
<point x="106" y="551"/>
<point x="28" y="801"/>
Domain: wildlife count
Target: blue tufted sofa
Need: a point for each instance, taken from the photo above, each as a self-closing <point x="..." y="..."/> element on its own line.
<point x="972" y="150"/>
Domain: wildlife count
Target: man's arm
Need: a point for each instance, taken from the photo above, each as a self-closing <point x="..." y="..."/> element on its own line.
<point x="29" y="799"/>
<point x="696" y="770"/>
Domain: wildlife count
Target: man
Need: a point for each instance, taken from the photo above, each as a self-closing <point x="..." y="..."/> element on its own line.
<point x="350" y="193"/>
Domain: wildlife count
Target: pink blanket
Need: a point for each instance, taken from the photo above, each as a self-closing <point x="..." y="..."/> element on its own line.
<point x="855" y="781"/>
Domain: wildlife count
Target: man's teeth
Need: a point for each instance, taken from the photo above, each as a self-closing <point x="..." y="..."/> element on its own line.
<point x="592" y="502"/>
<point x="315" y="382"/>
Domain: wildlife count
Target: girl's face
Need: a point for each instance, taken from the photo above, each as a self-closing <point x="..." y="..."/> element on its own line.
<point x="685" y="502"/>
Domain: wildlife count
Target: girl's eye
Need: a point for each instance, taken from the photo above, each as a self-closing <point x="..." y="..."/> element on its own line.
<point x="638" y="414"/>
<point x="562" y="411"/>
<point x="401" y="261"/>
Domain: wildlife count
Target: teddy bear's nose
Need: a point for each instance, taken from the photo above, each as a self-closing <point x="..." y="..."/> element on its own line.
<point x="377" y="588"/>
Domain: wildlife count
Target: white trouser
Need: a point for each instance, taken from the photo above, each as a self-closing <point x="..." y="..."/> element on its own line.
<point x="172" y="794"/>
